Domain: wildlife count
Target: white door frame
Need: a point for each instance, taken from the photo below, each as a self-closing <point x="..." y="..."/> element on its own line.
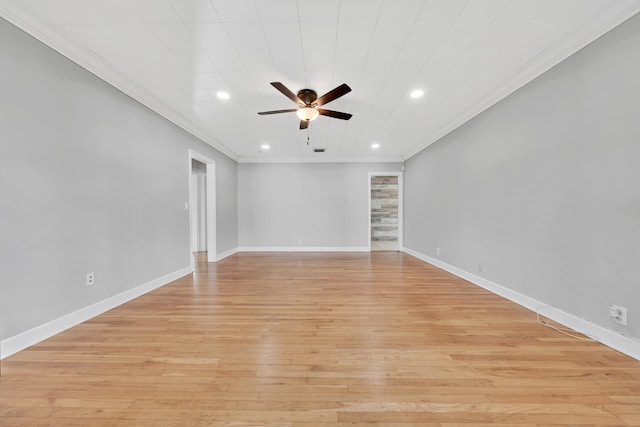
<point x="198" y="211"/>
<point x="400" y="206"/>
<point x="211" y="205"/>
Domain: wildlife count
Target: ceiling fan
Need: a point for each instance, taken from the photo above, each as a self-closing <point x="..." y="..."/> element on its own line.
<point x="309" y="102"/>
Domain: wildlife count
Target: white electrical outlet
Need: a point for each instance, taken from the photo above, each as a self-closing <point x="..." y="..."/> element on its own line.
<point x="618" y="314"/>
<point x="90" y="279"/>
<point x="437" y="251"/>
<point x="299" y="241"/>
<point x="479" y="267"/>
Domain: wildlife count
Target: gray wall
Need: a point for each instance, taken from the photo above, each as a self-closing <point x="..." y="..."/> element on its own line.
<point x="90" y="181"/>
<point x="543" y="189"/>
<point x="324" y="204"/>
<point x="226" y="199"/>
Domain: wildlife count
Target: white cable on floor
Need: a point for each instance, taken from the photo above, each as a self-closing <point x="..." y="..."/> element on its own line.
<point x="567" y="332"/>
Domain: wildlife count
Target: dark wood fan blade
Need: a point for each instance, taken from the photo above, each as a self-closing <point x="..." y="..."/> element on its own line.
<point x="290" y="110"/>
<point x="286" y="92"/>
<point x="304" y="124"/>
<point x="336" y="93"/>
<point x="335" y="114"/>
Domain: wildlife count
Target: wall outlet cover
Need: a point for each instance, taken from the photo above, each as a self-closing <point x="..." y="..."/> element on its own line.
<point x="618" y="314"/>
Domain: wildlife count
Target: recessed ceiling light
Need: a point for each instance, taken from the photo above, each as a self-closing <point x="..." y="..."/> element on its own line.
<point x="375" y="146"/>
<point x="417" y="93"/>
<point x="222" y="95"/>
<point x="265" y="146"/>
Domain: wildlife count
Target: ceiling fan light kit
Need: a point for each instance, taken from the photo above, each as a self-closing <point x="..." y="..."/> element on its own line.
<point x="308" y="102"/>
<point x="307" y="113"/>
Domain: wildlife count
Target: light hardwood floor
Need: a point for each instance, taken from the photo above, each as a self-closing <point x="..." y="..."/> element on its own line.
<point x="318" y="340"/>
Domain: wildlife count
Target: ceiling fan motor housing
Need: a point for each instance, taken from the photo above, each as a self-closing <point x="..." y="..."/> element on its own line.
<point x="308" y="96"/>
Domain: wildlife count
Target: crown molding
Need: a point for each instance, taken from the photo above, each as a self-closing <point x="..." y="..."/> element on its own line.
<point x="48" y="34"/>
<point x="321" y="160"/>
<point x="548" y="59"/>
<point x="18" y="15"/>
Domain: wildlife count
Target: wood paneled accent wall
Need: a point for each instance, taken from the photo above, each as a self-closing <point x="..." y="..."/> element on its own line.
<point x="384" y="208"/>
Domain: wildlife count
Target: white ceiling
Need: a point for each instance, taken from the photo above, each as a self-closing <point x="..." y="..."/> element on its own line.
<point x="174" y="55"/>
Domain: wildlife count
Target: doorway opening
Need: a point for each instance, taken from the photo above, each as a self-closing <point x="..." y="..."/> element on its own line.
<point x="198" y="206"/>
<point x="385" y="211"/>
<point x="202" y="208"/>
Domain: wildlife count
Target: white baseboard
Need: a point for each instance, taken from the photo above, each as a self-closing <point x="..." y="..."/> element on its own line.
<point x="225" y="254"/>
<point x="40" y="333"/>
<point x="613" y="339"/>
<point x="303" y="249"/>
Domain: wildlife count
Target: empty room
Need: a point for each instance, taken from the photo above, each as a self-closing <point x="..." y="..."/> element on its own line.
<point x="298" y="213"/>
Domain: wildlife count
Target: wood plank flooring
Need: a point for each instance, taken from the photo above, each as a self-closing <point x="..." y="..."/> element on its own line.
<point x="318" y="340"/>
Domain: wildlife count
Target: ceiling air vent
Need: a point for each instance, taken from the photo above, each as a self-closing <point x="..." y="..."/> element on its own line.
<point x="318" y="150"/>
